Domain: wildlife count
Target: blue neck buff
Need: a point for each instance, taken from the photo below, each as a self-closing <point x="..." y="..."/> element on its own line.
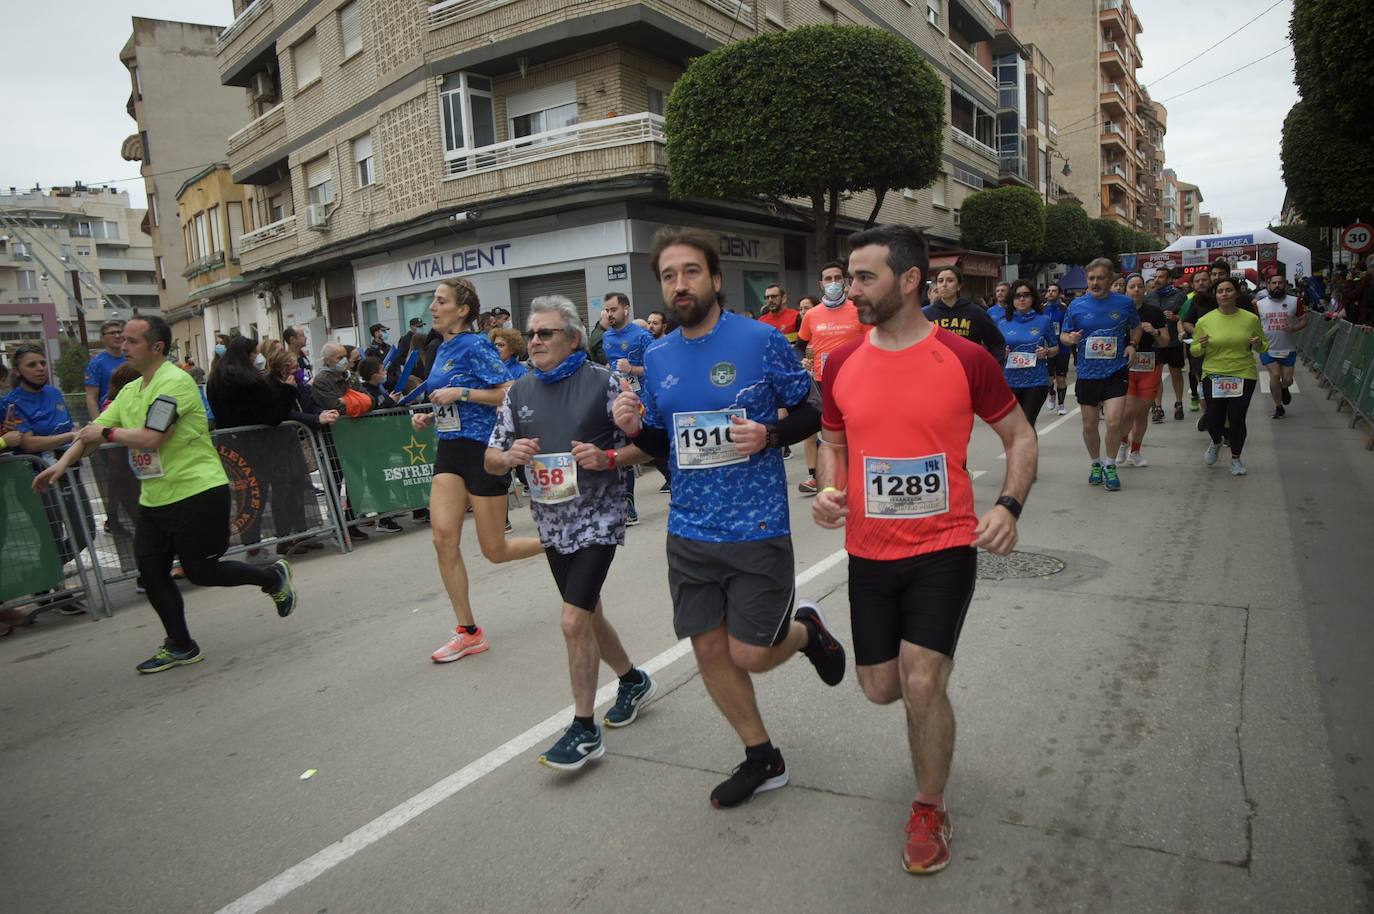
<point x="563" y="370"/>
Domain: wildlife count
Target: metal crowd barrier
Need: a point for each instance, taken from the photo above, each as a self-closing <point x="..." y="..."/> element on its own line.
<point x="1342" y="356"/>
<point x="40" y="536"/>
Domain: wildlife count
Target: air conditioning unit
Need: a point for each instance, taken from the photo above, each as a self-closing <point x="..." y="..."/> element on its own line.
<point x="317" y="217"/>
<point x="263" y="88"/>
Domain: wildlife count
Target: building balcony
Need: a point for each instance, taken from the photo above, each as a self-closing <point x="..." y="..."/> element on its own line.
<point x="609" y="148"/>
<point x="972" y="66"/>
<point x="1113" y="137"/>
<point x="978" y="146"/>
<point x="1115" y="176"/>
<point x="204" y="264"/>
<point x="1112" y="98"/>
<point x="268" y="244"/>
<point x="128" y="288"/>
<point x="246" y="45"/>
<point x="1114" y="60"/>
<point x="145" y="265"/>
<point x="258" y="138"/>
<point x="494" y="37"/>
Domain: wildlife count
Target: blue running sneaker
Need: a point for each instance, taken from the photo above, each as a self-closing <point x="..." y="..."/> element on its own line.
<point x="575" y="748"/>
<point x="628" y="700"/>
<point x="166" y="658"/>
<point x="285" y="594"/>
<point x="1110" y="481"/>
<point x="1095" y="477"/>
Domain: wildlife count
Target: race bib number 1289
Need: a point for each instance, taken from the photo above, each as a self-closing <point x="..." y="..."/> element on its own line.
<point x="905" y="488"/>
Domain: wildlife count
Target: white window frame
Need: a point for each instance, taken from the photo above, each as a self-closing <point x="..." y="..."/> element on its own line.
<point x="934" y="13"/>
<point x="462" y="133"/>
<point x="31" y="283"/>
<point x="276" y="212"/>
<point x="216" y="232"/>
<point x="350" y="25"/>
<point x="939" y="192"/>
<point x="663" y="89"/>
<point x="306" y="75"/>
<point x="319" y="181"/>
<point x="152" y="209"/>
<point x="231" y="210"/>
<point x="364" y="161"/>
<point x="202" y="236"/>
<point x="540" y="103"/>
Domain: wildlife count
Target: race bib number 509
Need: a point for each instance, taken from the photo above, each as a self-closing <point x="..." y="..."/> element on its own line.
<point x="905" y="488"/>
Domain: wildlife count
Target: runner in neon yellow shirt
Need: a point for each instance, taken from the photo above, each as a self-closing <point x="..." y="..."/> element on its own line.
<point x="185" y="493"/>
<point x="1227" y="340"/>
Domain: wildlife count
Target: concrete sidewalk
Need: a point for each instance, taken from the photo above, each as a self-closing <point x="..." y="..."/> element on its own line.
<point x="1142" y="731"/>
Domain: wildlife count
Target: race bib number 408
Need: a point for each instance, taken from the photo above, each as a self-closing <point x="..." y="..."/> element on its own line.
<point x="905" y="488"/>
<point x="1227" y="388"/>
<point x="703" y="439"/>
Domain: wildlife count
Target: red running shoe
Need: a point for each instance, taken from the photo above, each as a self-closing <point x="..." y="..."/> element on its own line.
<point x="927" y="840"/>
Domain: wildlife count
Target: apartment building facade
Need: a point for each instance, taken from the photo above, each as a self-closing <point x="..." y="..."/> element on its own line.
<point x="83" y="250"/>
<point x="183" y="116"/>
<point x="1169" y="210"/>
<point x="388" y="143"/>
<point x="1189" y="209"/>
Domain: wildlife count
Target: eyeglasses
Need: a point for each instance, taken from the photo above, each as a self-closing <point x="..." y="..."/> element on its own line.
<point x="544" y="335"/>
<point x="1024" y="295"/>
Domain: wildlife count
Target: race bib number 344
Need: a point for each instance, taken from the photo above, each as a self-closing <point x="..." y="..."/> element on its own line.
<point x="905" y="488"/>
<point x="703" y="439"/>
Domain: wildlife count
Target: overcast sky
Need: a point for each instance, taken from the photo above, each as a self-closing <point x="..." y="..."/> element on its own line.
<point x="66" y="91"/>
<point x="1224" y="138"/>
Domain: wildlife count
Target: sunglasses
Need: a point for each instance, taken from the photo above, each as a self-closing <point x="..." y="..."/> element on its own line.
<point x="544" y="335"/>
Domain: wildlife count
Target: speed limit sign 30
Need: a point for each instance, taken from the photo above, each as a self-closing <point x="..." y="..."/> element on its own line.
<point x="1358" y="238"/>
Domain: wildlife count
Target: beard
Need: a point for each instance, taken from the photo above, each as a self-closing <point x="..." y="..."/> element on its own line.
<point x="872" y="314"/>
<point x="692" y="312"/>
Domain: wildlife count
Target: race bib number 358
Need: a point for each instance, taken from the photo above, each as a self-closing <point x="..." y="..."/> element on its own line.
<point x="552" y="478"/>
<point x="905" y="488"/>
<point x="703" y="439"/>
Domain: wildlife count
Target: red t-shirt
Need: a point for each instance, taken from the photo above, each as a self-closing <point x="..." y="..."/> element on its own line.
<point x="785" y="321"/>
<point x="909" y="490"/>
<point x="825" y="329"/>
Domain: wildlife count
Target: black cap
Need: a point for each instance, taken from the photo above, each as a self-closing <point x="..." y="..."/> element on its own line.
<point x="375" y="327"/>
<point x="501" y="311"/>
<point x="417" y="322"/>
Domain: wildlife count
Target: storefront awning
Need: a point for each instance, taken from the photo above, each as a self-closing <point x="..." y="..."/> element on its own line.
<point x="943" y="260"/>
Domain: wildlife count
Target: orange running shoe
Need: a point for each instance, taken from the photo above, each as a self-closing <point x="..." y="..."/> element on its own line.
<point x="460" y="645"/>
<point x="927" y="840"/>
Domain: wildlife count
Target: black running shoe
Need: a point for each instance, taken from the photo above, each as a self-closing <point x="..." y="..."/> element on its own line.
<point x="1286" y="396"/>
<point x="825" y="653"/>
<point x="750" y="777"/>
<point x="1178" y="410"/>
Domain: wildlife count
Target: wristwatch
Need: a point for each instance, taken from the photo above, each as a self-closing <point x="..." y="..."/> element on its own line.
<point x="463" y="394"/>
<point x="107" y="433"/>
<point x="771" y="437"/>
<point x="1012" y="505"/>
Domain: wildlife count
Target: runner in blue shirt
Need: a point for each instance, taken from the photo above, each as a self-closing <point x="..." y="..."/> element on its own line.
<point x="1031" y="346"/>
<point x="1055" y="309"/>
<point x="1104" y="327"/>
<point x="102" y="365"/>
<point x="466" y="383"/>
<point x="624" y="343"/>
<point x="710" y="399"/>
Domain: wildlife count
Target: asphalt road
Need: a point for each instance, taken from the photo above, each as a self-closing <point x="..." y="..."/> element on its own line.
<point x="1176" y="721"/>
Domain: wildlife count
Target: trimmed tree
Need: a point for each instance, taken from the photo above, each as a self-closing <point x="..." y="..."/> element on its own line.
<point x="1329" y="175"/>
<point x="1310" y="237"/>
<point x="767" y="117"/>
<point x="71" y="364"/>
<point x="1012" y="214"/>
<point x="1112" y="237"/>
<point x="1333" y="55"/>
<point x="1069" y="236"/>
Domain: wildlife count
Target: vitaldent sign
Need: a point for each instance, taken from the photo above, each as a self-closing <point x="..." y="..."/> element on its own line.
<point x="420" y="266"/>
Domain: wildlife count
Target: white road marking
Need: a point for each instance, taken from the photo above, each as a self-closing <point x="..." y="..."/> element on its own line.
<point x="1042" y="432"/>
<point x="312" y="868"/>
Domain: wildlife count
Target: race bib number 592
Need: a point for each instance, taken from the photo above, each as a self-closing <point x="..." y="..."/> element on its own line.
<point x="905" y="488"/>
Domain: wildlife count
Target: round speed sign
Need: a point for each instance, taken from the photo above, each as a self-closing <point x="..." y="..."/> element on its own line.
<point x="1358" y="238"/>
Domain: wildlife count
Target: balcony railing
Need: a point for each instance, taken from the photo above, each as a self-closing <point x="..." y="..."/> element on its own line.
<point x="963" y="139"/>
<point x="972" y="62"/>
<point x="451" y="11"/>
<point x="271" y="118"/>
<point x="1054" y="132"/>
<point x="203" y="264"/>
<point x="269" y="232"/>
<point x="608" y="133"/>
<point x="251" y="12"/>
<point x="1120" y="211"/>
<point x="1114" y="170"/>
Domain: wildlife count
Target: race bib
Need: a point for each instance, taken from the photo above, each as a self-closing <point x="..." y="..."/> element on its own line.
<point x="907" y="488"/>
<point x="1055" y="325"/>
<point x="1101" y="347"/>
<point x="552" y="478"/>
<point x="1226" y="388"/>
<point x="1280" y="353"/>
<point x="703" y="439"/>
<point x="1143" y="361"/>
<point x="145" y="462"/>
<point x="1020" y="359"/>
<point x="446" y="418"/>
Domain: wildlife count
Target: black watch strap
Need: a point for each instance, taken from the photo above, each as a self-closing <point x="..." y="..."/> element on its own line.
<point x="771" y="437"/>
<point x="1011" y="504"/>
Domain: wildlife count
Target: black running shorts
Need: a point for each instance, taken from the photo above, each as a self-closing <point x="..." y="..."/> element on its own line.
<point x="580" y="574"/>
<point x="1059" y="366"/>
<point x="1095" y="392"/>
<point x="193" y="528"/>
<point x="463" y="457"/>
<point x="748" y="586"/>
<point x="1171" y="356"/>
<point x="922" y="600"/>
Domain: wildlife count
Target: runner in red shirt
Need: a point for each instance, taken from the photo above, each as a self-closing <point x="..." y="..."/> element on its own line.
<point x="824" y="328"/>
<point x="777" y="315"/>
<point x="892" y="473"/>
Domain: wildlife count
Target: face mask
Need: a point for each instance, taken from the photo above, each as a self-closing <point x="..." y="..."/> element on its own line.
<point x="834" y="290"/>
<point x="219" y="349"/>
<point x="259" y="361"/>
<point x="385" y="335"/>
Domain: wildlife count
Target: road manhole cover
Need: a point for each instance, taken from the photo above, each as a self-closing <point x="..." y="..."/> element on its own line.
<point x="1017" y="565"/>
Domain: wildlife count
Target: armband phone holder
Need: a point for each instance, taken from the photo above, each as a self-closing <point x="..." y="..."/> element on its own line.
<point x="161" y="414"/>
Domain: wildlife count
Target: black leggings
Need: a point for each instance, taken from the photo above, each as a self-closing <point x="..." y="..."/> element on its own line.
<point x="1226" y="415"/>
<point x="1032" y="400"/>
<point x="156" y="572"/>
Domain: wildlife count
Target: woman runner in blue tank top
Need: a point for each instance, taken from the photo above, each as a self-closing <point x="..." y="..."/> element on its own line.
<point x="1031" y="346"/>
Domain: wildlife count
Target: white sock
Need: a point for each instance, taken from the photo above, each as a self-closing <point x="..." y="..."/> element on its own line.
<point x="1109" y="461"/>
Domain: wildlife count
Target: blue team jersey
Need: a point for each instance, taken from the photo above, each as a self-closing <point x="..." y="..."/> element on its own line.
<point x="1025" y="333"/>
<point x="98" y="371"/>
<point x="997" y="312"/>
<point x="1101" y="320"/>
<point x="1055" y="311"/>
<point x="740" y="364"/>
<point x="515" y="369"/>
<point x="629" y="342"/>
<point x="468" y="360"/>
<point x="39" y="412"/>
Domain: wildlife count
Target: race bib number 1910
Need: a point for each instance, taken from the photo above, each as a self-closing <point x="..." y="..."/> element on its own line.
<point x="552" y="478"/>
<point x="703" y="439"/>
<point x="905" y="488"/>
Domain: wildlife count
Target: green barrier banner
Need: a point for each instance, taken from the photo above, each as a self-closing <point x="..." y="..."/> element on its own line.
<point x="386" y="464"/>
<point x="30" y="562"/>
<point x="1365" y="403"/>
<point x="1355" y="366"/>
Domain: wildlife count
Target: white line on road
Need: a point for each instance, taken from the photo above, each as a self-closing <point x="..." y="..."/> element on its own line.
<point x="312" y="868"/>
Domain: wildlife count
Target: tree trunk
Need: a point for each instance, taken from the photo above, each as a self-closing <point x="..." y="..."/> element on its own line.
<point x="880" y="193"/>
<point x="818" y="223"/>
<point x="830" y="218"/>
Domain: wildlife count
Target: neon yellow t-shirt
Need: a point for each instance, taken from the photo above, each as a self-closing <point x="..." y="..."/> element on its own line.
<point x="1228" y="352"/>
<point x="189" y="462"/>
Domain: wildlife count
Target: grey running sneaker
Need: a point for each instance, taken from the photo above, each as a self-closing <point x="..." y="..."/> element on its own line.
<point x="628" y="700"/>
